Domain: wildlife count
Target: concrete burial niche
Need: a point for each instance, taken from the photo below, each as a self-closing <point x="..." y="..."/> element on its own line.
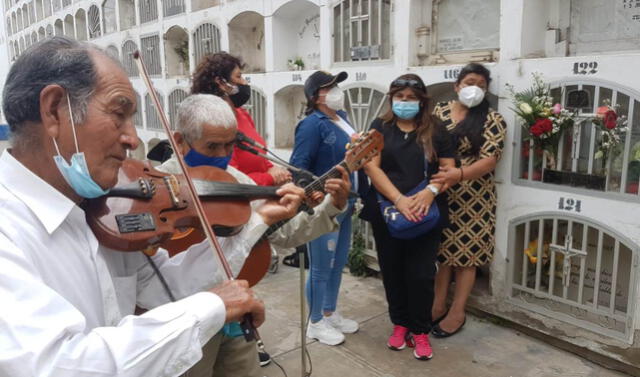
<point x="203" y="4"/>
<point x="453" y="31"/>
<point x="109" y="16"/>
<point x="176" y="51"/>
<point x="247" y="40"/>
<point x="39" y="10"/>
<point x="81" y="25"/>
<point x="68" y="26"/>
<point x="289" y="107"/>
<point x="296" y="36"/>
<point x="127" y="9"/>
<point x="59" y="30"/>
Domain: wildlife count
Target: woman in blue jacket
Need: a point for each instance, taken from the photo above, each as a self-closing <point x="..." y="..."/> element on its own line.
<point x="320" y="144"/>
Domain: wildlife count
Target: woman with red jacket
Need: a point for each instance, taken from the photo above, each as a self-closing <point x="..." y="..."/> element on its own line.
<point x="220" y="74"/>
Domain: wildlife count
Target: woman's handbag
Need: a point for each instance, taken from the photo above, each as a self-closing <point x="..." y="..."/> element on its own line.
<point x="401" y="227"/>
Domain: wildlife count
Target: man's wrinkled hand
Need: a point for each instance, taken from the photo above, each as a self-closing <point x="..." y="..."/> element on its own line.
<point x="285" y="207"/>
<point x="239" y="300"/>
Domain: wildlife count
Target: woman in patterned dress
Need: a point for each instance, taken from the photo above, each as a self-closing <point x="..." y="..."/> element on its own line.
<point x="469" y="241"/>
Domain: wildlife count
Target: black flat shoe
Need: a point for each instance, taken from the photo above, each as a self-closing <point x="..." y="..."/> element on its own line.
<point x="437" y="320"/>
<point x="440" y="333"/>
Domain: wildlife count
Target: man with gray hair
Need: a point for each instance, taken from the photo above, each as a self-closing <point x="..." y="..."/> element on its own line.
<point x="206" y="134"/>
<point x="68" y="302"/>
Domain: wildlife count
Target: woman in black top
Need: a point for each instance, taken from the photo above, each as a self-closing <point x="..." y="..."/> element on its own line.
<point x="412" y="142"/>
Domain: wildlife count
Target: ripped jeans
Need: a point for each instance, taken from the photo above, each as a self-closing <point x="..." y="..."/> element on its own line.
<point x="328" y="254"/>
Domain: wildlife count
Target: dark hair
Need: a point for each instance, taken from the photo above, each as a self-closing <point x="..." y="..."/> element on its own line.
<point x="472" y="126"/>
<point x="221" y="64"/>
<point x="424" y="120"/>
<point x="311" y="104"/>
<point x="57" y="60"/>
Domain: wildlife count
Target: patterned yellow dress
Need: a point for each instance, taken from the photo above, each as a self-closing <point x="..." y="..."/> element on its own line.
<point x="469" y="240"/>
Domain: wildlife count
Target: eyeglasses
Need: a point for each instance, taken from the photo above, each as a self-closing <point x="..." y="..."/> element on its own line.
<point x="410" y="83"/>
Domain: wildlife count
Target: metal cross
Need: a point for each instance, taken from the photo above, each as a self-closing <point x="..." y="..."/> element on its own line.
<point x="568" y="251"/>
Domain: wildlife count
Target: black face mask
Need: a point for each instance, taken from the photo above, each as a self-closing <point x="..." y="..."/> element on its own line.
<point x="243" y="95"/>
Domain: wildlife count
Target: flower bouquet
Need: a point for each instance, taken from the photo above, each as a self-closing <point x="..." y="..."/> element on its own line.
<point x="542" y="120"/>
<point x="611" y="127"/>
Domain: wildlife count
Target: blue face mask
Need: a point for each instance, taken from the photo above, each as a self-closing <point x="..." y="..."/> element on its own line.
<point x="77" y="174"/>
<point x="406" y="110"/>
<point x="193" y="159"/>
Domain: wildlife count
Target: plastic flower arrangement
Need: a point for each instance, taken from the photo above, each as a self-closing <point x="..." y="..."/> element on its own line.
<point x="611" y="127"/>
<point x="542" y="120"/>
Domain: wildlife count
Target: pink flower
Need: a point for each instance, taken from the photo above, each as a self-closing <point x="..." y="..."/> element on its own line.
<point x="601" y="111"/>
<point x="557" y="108"/>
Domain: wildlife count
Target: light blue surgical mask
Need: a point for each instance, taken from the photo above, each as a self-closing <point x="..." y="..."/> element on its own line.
<point x="406" y="109"/>
<point x="77" y="174"/>
<point x="193" y="159"/>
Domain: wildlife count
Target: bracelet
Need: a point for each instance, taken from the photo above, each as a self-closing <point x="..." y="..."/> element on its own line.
<point x="461" y="174"/>
<point x="397" y="199"/>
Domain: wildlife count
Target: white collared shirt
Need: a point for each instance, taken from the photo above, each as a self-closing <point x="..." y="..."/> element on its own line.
<point x="66" y="303"/>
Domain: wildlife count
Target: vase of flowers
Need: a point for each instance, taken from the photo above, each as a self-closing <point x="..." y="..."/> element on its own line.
<point x="542" y="120"/>
<point x="610" y="127"/>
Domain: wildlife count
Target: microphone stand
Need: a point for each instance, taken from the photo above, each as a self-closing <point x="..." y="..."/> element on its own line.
<point x="301" y="261"/>
<point x="278" y="161"/>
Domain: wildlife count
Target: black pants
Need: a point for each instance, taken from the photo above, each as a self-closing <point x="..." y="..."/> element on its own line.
<point x="408" y="274"/>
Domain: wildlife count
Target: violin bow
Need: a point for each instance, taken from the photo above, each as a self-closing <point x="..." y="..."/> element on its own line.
<point x="249" y="331"/>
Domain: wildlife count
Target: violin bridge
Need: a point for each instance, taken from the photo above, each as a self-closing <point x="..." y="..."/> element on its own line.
<point x="174" y="189"/>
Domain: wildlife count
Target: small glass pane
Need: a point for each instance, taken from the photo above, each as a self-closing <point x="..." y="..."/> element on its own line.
<point x="633" y="168"/>
<point x="385" y="37"/>
<point x="337" y="37"/>
<point x="374" y="19"/>
<point x="346" y="35"/>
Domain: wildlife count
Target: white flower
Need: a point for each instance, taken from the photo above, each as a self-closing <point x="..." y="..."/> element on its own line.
<point x="526" y="108"/>
<point x="598" y="155"/>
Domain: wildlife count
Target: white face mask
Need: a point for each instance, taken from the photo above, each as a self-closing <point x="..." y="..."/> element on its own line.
<point x="334" y="99"/>
<point x="470" y="96"/>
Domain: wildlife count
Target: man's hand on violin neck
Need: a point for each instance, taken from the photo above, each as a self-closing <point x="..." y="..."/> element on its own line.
<point x="239" y="300"/>
<point x="284" y="208"/>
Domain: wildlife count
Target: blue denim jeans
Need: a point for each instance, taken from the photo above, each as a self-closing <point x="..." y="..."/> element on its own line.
<point x="328" y="254"/>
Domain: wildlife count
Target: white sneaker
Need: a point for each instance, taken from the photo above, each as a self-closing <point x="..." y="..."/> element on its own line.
<point x="324" y="333"/>
<point x="344" y="325"/>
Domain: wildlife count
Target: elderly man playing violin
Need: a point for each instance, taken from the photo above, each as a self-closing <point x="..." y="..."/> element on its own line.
<point x="206" y="134"/>
<point x="67" y="302"/>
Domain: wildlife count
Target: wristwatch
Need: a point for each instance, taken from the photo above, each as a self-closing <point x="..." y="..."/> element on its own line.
<point x="434" y="190"/>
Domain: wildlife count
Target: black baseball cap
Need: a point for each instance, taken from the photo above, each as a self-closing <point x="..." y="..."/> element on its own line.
<point x="322" y="79"/>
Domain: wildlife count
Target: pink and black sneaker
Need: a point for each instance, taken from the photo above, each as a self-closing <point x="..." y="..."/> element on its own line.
<point x="397" y="340"/>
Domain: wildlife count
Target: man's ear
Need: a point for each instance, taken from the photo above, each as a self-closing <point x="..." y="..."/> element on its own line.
<point x="181" y="142"/>
<point x="456" y="87"/>
<point x="53" y="105"/>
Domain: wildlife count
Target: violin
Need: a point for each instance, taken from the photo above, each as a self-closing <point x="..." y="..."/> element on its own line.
<point x="359" y="152"/>
<point x="146" y="206"/>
